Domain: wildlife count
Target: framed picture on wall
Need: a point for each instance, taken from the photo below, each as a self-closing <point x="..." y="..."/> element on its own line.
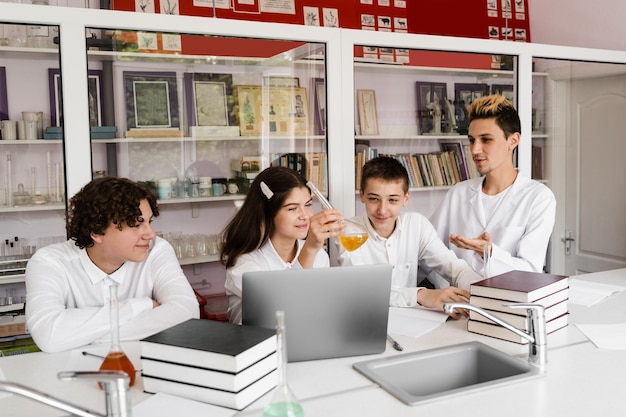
<point x="430" y="106"/>
<point x="209" y="99"/>
<point x="94" y="89"/>
<point x="151" y="100"/>
<point x="368" y="114"/>
<point x="505" y="90"/>
<point x="276" y="110"/>
<point x="319" y="97"/>
<point x="467" y="93"/>
<point x="4" y="102"/>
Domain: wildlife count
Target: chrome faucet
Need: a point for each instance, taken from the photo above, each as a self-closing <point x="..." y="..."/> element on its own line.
<point x="536" y="323"/>
<point x="116" y="393"/>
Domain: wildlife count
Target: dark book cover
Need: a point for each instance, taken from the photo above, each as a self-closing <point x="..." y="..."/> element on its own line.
<point x="210" y="344"/>
<point x="519" y="286"/>
<point x="212" y="336"/>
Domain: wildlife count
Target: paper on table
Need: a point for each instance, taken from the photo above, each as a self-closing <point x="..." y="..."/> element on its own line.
<point x="605" y="336"/>
<point x="414" y="321"/>
<point x="166" y="405"/>
<point x="588" y="293"/>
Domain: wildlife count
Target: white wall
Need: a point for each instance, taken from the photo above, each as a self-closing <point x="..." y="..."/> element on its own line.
<point x="584" y="23"/>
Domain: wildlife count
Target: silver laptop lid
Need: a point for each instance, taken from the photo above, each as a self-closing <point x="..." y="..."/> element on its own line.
<point x="329" y="312"/>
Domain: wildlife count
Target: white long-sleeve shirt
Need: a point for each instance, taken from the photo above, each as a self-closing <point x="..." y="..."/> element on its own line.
<point x="520" y="225"/>
<point x="67" y="296"/>
<point x="413" y="240"/>
<point x="264" y="259"/>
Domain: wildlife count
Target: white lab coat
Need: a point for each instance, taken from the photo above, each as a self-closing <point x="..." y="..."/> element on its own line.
<point x="520" y="228"/>
<point x="413" y="240"/>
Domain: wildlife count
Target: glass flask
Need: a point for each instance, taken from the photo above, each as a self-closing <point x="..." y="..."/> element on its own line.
<point x="284" y="403"/>
<point x="354" y="235"/>
<point x="116" y="359"/>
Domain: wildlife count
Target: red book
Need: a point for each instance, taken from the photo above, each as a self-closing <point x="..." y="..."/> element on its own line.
<point x="519" y="286"/>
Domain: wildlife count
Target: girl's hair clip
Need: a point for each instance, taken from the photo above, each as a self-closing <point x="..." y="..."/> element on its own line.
<point x="266" y="190"/>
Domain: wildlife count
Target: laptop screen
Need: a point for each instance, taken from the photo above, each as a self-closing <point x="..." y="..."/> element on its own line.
<point x="329" y="312"/>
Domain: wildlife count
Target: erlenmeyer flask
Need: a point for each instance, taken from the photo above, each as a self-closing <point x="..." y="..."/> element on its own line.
<point x="284" y="403"/>
<point x="116" y="359"/>
<point x="354" y="235"/>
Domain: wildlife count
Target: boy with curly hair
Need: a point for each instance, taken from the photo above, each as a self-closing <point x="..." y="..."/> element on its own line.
<point x="111" y="242"/>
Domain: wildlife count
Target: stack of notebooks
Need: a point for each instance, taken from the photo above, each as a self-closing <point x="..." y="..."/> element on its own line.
<point x="551" y="291"/>
<point x="210" y="361"/>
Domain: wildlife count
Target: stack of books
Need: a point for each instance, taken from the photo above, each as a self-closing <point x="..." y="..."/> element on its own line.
<point x="210" y="361"/>
<point x="491" y="294"/>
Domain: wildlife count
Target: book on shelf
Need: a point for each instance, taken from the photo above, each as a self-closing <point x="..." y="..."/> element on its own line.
<point x="519" y="286"/>
<point x="226" y="381"/>
<point x="456" y="147"/>
<point x="236" y="400"/>
<point x="537" y="162"/>
<point x="293" y="160"/>
<point x="315" y="169"/>
<point x="519" y="320"/>
<point x="495" y="304"/>
<point x="210" y="344"/>
<point x="471" y="166"/>
<point x="499" y="332"/>
<point x="362" y="153"/>
<point x="425" y="170"/>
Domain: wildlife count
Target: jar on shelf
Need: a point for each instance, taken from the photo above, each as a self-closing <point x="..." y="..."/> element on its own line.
<point x="37" y="36"/>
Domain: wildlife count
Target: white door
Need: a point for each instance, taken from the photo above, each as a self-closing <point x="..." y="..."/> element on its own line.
<point x="595" y="198"/>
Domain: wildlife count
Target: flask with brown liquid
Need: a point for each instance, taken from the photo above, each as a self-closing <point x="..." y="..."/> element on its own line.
<point x="116" y="359"/>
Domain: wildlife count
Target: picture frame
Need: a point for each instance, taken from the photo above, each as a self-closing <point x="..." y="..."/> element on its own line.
<point x="151" y="100"/>
<point x="368" y="114"/>
<point x="467" y="93"/>
<point x="319" y="101"/>
<point x="430" y="106"/>
<point x="275" y="111"/>
<point x="94" y="89"/>
<point x="281" y="81"/>
<point x="210" y="99"/>
<point x="4" y="101"/>
<point x="505" y="90"/>
<point x="464" y="95"/>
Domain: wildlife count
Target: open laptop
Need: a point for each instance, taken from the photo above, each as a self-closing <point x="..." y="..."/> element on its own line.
<point x="329" y="312"/>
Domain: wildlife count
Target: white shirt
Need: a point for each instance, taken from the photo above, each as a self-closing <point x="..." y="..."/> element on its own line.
<point x="520" y="227"/>
<point x="68" y="295"/>
<point x="264" y="259"/>
<point x="413" y="240"/>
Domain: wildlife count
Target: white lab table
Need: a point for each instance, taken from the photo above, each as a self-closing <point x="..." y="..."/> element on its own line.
<point x="581" y="380"/>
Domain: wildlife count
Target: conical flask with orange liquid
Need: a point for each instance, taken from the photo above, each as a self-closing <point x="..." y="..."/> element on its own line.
<point x="116" y="359"/>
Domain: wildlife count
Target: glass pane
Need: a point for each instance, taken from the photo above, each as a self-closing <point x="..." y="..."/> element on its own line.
<point x="413" y="105"/>
<point x="31" y="154"/>
<point x="578" y="144"/>
<point x="196" y="117"/>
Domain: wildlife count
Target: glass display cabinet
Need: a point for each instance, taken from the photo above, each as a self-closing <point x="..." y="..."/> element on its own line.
<point x="414" y="107"/>
<point x="32" y="186"/>
<point x="175" y="100"/>
<point x="196" y="117"/>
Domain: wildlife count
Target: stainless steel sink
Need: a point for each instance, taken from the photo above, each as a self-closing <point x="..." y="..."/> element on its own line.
<point x="427" y="375"/>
